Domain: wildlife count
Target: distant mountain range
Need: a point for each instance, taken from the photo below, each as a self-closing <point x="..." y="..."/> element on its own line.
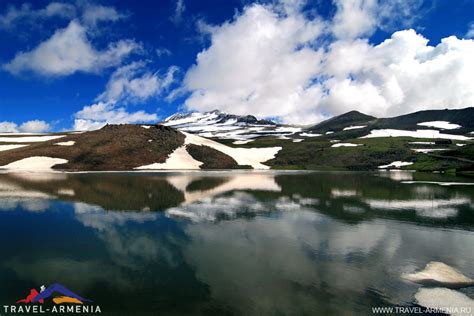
<point x="216" y="124"/>
<point x="435" y="140"/>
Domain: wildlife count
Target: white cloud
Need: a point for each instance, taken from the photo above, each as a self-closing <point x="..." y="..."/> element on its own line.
<point x="94" y="14"/>
<point x="400" y="75"/>
<point x="90" y="14"/>
<point x="128" y="84"/>
<point x="69" y="51"/>
<point x="179" y="10"/>
<point x="8" y="127"/>
<point x="134" y="83"/>
<point x="275" y="64"/>
<point x="25" y="14"/>
<point x="355" y="18"/>
<point x="35" y="126"/>
<point x="162" y="52"/>
<point x="261" y="63"/>
<point x="97" y="115"/>
<point x="470" y="32"/>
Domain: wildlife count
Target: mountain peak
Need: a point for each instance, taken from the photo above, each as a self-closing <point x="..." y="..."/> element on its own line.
<point x="354" y="114"/>
<point x="337" y="123"/>
<point x="227" y="126"/>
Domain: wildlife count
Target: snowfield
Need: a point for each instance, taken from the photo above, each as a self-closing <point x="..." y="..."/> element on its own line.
<point x="69" y="143"/>
<point x="180" y="158"/>
<point x="221" y="125"/>
<point x="29" y="139"/>
<point x="9" y="147"/>
<point x="36" y="163"/>
<point x="396" y="164"/>
<point x="242" y="142"/>
<point x="345" y="145"/>
<point x="440" y="125"/>
<point x="428" y="133"/>
<point x="354" y="127"/>
<point x="429" y="150"/>
<point x="422" y="143"/>
<point x="309" y="135"/>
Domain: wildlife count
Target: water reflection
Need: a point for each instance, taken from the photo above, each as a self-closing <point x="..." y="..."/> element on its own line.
<point x="231" y="243"/>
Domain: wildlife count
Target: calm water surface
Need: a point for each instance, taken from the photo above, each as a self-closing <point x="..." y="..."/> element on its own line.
<point x="243" y="243"/>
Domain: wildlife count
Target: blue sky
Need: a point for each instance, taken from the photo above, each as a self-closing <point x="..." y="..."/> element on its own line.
<point x="81" y="64"/>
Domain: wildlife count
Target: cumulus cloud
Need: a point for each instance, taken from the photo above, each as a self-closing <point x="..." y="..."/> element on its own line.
<point x="400" y="75"/>
<point x="69" y="51"/>
<point x="133" y="83"/>
<point x="275" y="64"/>
<point x="260" y="63"/>
<point x="34" y="126"/>
<point x="355" y="18"/>
<point x="8" y="127"/>
<point x="97" y="115"/>
<point x="130" y="84"/>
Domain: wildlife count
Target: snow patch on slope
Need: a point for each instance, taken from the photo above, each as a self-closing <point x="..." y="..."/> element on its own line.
<point x="10" y="147"/>
<point x="69" y="143"/>
<point x="29" y="139"/>
<point x="225" y="126"/>
<point x="36" y="163"/>
<point x="309" y="135"/>
<point x="415" y="134"/>
<point x="345" y="145"/>
<point x="440" y="125"/>
<point x="354" y="127"/>
<point x="181" y="159"/>
<point x="396" y="164"/>
<point x="243" y="156"/>
<point x="429" y="150"/>
<point x="242" y="142"/>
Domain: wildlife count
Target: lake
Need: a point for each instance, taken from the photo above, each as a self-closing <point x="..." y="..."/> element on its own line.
<point x="232" y="243"/>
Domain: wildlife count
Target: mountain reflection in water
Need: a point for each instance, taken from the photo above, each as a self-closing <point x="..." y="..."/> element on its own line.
<point x="232" y="242"/>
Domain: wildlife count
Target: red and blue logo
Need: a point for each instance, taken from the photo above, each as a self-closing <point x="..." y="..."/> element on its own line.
<point x="58" y="293"/>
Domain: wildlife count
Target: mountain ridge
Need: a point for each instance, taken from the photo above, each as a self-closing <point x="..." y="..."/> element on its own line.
<point x="221" y="125"/>
<point x="350" y="141"/>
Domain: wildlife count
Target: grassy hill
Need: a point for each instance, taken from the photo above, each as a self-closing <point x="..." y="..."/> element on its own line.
<point x="114" y="147"/>
<point x="338" y="123"/>
<point x="463" y="117"/>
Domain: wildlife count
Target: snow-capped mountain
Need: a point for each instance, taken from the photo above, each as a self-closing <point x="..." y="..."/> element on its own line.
<point x="241" y="128"/>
